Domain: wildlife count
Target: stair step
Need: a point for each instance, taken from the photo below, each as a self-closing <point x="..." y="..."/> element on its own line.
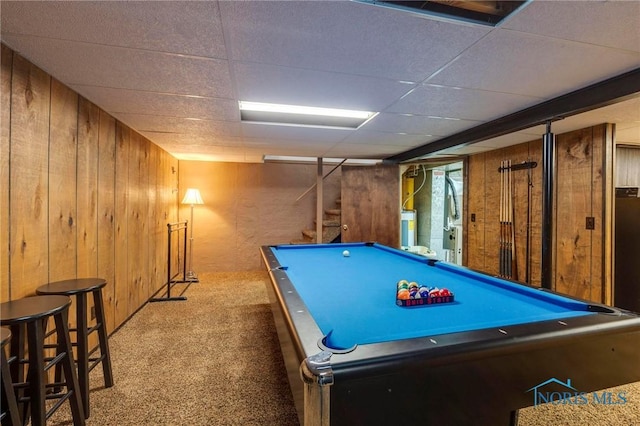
<point x="333" y="212"/>
<point x="328" y="234"/>
<point x="329" y="223"/>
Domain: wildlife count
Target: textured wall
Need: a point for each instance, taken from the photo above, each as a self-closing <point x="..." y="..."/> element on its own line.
<point x="249" y="205"/>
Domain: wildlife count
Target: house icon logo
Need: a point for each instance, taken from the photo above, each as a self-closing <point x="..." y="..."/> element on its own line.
<point x="557" y="392"/>
<point x="540" y="396"/>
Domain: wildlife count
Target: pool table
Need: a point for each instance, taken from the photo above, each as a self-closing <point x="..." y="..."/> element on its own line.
<point x="354" y="356"/>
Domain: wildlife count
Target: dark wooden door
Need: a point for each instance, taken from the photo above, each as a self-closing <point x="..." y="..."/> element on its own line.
<point x="371" y="204"/>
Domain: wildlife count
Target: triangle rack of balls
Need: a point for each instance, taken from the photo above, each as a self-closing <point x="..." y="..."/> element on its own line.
<point x="414" y="294"/>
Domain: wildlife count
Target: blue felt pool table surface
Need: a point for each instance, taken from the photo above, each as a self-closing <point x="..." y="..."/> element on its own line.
<point x="353" y="299"/>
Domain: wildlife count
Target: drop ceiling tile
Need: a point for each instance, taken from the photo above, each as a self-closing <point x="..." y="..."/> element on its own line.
<point x="295" y="86"/>
<point x="507" y="140"/>
<point x="285" y="133"/>
<point x="190" y="28"/>
<point x="605" y="23"/>
<point x="531" y="65"/>
<point x="418" y="124"/>
<point x="161" y="124"/>
<point x="137" y="102"/>
<point x="455" y="102"/>
<point x="372" y="138"/>
<point x="362" y="151"/>
<point x="105" y="66"/>
<point x="191" y="141"/>
<point x="343" y="36"/>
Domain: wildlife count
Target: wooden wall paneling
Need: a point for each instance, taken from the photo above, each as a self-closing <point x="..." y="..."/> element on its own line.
<point x="162" y="202"/>
<point x="62" y="208"/>
<point x="492" y="181"/>
<point x="535" y="223"/>
<point x="106" y="213"/>
<point x="137" y="217"/>
<point x="144" y="221"/>
<point x="371" y="197"/>
<point x="608" y="268"/>
<point x="155" y="223"/>
<point x="6" y="63"/>
<point x="602" y="204"/>
<point x="174" y="199"/>
<point x="30" y="105"/>
<point x="573" y="204"/>
<point x="121" y="224"/>
<point x="88" y="149"/>
<point x="63" y="211"/>
<point x="475" y="205"/>
<point x="483" y="198"/>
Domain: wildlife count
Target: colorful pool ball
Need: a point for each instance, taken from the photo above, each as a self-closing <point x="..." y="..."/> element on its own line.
<point x="445" y="292"/>
<point x="403" y="294"/>
<point x="413" y="284"/>
<point x="403" y="284"/>
<point x="423" y="291"/>
<point x="346" y="253"/>
<point x="434" y="293"/>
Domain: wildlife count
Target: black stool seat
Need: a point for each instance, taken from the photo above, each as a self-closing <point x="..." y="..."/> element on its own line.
<point x="72" y="287"/>
<point x="28" y="316"/>
<point x="31" y="308"/>
<point x="9" y="404"/>
<point x="80" y="288"/>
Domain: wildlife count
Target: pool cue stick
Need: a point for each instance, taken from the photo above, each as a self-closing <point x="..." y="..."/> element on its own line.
<point x="508" y="218"/>
<point x="514" y="255"/>
<point x="501" y="251"/>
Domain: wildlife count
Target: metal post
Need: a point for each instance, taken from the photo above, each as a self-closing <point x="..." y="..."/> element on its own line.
<point x="548" y="171"/>
<point x="319" y="199"/>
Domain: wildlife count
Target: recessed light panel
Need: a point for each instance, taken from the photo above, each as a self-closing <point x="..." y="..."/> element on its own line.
<point x="297" y="115"/>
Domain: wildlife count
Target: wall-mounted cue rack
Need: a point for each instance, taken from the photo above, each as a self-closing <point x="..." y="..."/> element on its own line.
<point x="507" y="247"/>
<point x="175" y="228"/>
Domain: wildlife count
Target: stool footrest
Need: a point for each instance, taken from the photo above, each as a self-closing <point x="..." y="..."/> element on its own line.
<point x="61" y="399"/>
<point x="56" y="359"/>
<point x="95" y="361"/>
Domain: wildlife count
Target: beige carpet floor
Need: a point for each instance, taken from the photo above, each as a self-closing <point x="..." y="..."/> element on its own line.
<point x="214" y="359"/>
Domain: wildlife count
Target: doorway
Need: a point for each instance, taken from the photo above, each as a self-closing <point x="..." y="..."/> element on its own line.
<point x="431" y="211"/>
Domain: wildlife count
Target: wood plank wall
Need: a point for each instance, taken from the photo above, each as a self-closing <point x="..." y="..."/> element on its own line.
<point x="81" y="194"/>
<point x="583" y="189"/>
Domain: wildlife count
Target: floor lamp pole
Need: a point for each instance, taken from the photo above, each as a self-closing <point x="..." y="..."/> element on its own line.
<point x="191" y="276"/>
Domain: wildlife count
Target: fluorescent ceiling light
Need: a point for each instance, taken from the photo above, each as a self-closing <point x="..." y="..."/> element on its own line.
<point x="326" y="161"/>
<point x="303" y="115"/>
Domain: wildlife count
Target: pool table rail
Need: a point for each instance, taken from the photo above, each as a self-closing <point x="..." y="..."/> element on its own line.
<point x="597" y="351"/>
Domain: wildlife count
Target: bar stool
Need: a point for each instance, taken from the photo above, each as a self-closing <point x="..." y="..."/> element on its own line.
<point x="80" y="288"/>
<point x="30" y="315"/>
<point x="9" y="404"/>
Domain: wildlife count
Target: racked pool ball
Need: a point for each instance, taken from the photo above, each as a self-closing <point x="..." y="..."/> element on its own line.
<point x="403" y="294"/>
<point x="423" y="291"/>
<point x="445" y="292"/>
<point x="403" y="284"/>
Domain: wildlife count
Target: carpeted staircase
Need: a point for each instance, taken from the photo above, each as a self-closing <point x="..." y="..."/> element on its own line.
<point x="330" y="228"/>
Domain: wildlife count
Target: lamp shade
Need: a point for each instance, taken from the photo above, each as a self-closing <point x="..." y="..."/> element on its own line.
<point x="192" y="197"/>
